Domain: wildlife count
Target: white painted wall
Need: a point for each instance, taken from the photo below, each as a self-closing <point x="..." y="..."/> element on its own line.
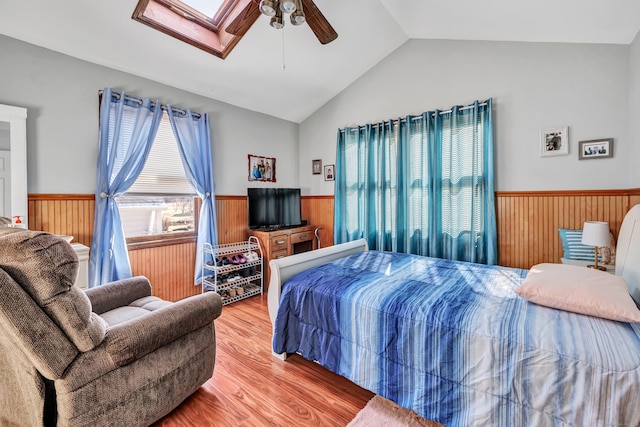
<point x="534" y="86"/>
<point x="634" y="112"/>
<point x="594" y="89"/>
<point x="61" y="94"/>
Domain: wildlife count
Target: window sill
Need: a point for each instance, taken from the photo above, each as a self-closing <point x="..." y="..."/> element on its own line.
<point x="137" y="243"/>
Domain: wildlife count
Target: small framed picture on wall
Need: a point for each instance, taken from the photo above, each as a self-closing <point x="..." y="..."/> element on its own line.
<point x="329" y="173"/>
<point x="595" y="149"/>
<point x="262" y="168"/>
<point x="316" y="167"/>
<point x="554" y="142"/>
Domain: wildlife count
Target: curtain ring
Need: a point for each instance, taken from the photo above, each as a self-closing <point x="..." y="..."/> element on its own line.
<point x="104" y="195"/>
<point x="207" y="194"/>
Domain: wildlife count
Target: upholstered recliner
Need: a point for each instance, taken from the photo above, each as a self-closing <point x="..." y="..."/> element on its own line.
<point x="111" y="356"/>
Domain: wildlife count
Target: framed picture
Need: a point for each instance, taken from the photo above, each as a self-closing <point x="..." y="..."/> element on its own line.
<point x="262" y="168"/>
<point x="329" y="173"/>
<point x="554" y="142"/>
<point x="595" y="149"/>
<point x="316" y="167"/>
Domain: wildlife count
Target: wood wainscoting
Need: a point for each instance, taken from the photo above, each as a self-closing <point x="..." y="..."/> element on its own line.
<point x="528" y="222"/>
<point x="528" y="225"/>
<point x="170" y="267"/>
<point x="318" y="211"/>
<point x="68" y="214"/>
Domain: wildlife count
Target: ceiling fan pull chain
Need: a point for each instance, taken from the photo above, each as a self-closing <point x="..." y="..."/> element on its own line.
<point x="284" y="67"/>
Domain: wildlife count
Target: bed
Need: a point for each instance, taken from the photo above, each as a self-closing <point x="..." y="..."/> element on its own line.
<point x="454" y="342"/>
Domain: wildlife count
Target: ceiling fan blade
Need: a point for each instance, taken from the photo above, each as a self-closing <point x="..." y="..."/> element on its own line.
<point x="318" y="23"/>
<point x="244" y="20"/>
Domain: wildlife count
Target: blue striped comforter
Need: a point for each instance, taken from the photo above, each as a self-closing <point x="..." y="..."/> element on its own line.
<point x="453" y="342"/>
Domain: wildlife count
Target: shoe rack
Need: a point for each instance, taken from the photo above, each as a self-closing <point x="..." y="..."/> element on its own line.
<point x="233" y="270"/>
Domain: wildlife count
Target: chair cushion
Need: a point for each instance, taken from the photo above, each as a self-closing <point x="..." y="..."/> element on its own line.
<point x="46" y="266"/>
<point x="137" y="308"/>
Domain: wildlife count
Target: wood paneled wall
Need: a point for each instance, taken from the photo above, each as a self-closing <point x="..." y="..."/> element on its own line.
<point x="170" y="269"/>
<point x="527" y="228"/>
<point x="68" y="214"/>
<point x="318" y="211"/>
<point x="233" y="218"/>
<point x="528" y="222"/>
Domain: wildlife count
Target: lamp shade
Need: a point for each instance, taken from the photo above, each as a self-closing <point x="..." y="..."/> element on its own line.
<point x="595" y="233"/>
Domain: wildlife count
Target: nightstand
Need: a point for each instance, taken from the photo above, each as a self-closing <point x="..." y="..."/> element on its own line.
<point x="82" y="251"/>
<point x="611" y="268"/>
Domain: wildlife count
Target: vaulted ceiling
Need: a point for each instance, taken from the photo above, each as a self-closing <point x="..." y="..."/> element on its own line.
<point x="252" y="75"/>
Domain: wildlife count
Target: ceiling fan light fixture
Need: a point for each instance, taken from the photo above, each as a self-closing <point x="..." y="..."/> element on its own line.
<point x="288" y="6"/>
<point x="268" y="7"/>
<point x="297" y="16"/>
<point x="277" y="21"/>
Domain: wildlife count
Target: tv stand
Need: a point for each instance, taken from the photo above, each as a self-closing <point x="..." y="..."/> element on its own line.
<point x="283" y="242"/>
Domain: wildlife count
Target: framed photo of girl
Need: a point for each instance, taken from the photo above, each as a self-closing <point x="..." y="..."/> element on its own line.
<point x="329" y="173"/>
<point x="262" y="168"/>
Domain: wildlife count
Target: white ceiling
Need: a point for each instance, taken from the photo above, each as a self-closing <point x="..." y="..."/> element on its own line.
<point x="252" y="77"/>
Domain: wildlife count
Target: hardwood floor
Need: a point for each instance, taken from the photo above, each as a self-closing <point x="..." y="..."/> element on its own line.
<point x="250" y="387"/>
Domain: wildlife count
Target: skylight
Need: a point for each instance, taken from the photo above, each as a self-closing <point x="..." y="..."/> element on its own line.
<point x="209" y="8"/>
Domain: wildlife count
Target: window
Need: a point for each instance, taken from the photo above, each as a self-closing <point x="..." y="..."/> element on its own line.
<point x="201" y="23"/>
<point x="161" y="201"/>
<point x="462" y="176"/>
<point x="421" y="185"/>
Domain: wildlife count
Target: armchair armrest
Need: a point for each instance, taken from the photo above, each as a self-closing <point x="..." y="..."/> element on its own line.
<point x="138" y="337"/>
<point x="119" y="293"/>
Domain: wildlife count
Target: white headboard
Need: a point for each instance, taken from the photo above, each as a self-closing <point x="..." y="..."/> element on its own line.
<point x="628" y="252"/>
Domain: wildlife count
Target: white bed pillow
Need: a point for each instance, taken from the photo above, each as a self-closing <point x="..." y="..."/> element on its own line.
<point x="579" y="290"/>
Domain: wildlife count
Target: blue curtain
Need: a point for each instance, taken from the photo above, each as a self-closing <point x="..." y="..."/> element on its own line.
<point x="420" y="184"/>
<point x="194" y="144"/>
<point x="127" y="130"/>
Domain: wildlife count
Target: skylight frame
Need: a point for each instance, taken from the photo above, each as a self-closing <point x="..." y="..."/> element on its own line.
<point x="177" y="19"/>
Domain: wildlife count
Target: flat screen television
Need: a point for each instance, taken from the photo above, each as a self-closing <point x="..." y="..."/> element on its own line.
<point x="274" y="207"/>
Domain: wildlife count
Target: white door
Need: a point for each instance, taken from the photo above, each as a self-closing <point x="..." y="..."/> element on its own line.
<point x="5" y="183"/>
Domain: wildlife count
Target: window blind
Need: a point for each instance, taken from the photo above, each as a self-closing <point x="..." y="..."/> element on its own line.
<point x="163" y="172"/>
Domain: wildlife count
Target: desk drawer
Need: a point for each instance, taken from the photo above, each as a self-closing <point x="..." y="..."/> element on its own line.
<point x="279" y="242"/>
<point x="302" y="236"/>
<point x="278" y="254"/>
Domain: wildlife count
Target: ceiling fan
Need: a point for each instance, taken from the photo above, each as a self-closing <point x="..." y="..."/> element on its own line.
<point x="301" y="11"/>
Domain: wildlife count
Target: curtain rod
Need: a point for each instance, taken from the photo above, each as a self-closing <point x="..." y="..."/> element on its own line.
<point x="139" y="101"/>
<point x="480" y="104"/>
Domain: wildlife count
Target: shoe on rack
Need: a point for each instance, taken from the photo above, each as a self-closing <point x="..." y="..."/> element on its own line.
<point x="238" y="259"/>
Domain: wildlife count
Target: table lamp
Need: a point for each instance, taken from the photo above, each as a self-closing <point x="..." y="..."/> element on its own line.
<point x="596" y="234"/>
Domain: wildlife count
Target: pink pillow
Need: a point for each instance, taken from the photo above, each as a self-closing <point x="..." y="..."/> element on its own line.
<point x="580" y="290"/>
